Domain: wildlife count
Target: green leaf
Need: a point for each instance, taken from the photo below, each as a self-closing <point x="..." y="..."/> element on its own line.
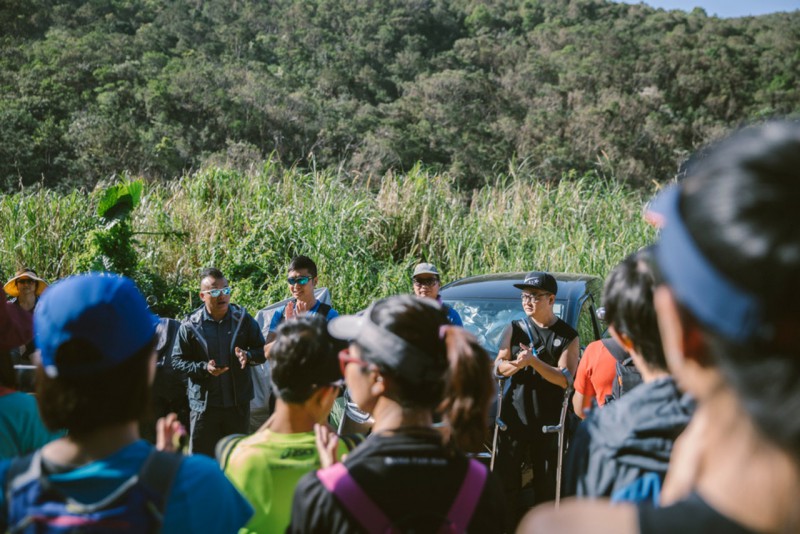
<point x="119" y="200"/>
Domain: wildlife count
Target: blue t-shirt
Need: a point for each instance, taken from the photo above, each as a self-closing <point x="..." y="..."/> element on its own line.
<point x="202" y="499"/>
<point x="277" y="317"/>
<point x="453" y="316"/>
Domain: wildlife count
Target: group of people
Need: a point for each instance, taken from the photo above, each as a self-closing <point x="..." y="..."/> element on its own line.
<point x="708" y="317"/>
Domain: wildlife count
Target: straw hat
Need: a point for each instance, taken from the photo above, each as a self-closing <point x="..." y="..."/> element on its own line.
<point x="11" y="286"/>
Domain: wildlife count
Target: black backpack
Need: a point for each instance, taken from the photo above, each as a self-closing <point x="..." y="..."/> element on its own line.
<point x="628" y="376"/>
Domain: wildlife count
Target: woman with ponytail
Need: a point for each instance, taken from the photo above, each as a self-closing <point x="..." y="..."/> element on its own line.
<point x="405" y="364"/>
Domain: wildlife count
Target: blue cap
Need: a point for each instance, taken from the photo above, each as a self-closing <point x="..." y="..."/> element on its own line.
<point x="102" y="309"/>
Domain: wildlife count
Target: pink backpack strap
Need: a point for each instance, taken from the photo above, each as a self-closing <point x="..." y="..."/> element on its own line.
<point x="337" y="480"/>
<point x="460" y="513"/>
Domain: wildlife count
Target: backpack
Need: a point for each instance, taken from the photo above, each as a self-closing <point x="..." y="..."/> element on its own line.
<point x="35" y="505"/>
<point x="337" y="480"/>
<point x="628" y="376"/>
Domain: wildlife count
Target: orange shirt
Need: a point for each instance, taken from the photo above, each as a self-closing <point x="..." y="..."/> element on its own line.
<point x="596" y="372"/>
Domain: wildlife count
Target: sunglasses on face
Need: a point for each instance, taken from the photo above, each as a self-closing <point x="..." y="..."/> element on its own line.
<point x="217" y="292"/>
<point x="298" y="280"/>
<point x="425" y="282"/>
<point x="345" y="358"/>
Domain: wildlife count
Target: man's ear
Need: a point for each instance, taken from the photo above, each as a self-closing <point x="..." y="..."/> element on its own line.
<point x="621" y="338"/>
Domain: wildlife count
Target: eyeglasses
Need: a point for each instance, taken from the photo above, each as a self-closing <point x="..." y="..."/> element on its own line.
<point x="425" y="282"/>
<point x="529" y="297"/>
<point x="345" y="358"/>
<point x="299" y="280"/>
<point x="217" y="292"/>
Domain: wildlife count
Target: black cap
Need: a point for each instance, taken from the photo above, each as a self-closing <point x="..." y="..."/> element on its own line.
<point x="539" y="280"/>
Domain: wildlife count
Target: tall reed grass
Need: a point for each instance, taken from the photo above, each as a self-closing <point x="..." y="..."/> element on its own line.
<point x="365" y="237"/>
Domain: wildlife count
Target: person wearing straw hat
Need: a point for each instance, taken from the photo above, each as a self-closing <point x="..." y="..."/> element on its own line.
<point x="25" y="288"/>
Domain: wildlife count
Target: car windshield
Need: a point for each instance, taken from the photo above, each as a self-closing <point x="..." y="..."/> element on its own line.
<point x="487" y="318"/>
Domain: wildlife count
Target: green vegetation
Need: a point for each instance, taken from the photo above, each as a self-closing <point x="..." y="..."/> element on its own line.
<point x="90" y="89"/>
<point x="365" y="237"/>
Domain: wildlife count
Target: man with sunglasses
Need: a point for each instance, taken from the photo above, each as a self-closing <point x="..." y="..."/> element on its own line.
<point x="538" y="355"/>
<point x="426" y="285"/>
<point x="302" y="280"/>
<point x="215" y="347"/>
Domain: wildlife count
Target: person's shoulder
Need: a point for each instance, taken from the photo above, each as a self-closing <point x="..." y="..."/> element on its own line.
<point x="563" y="329"/>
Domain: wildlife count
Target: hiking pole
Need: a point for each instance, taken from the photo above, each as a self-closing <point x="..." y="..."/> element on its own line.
<point x="498" y="423"/>
<point x="559" y="428"/>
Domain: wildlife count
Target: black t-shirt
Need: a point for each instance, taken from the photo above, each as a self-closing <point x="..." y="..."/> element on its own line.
<point x="532" y="401"/>
<point x="410" y="476"/>
<point x="690" y="516"/>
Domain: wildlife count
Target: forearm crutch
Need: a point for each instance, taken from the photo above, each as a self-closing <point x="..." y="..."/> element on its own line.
<point x="499" y="425"/>
<point x="560" y="428"/>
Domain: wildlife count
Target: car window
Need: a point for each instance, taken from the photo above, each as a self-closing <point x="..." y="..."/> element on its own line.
<point x="487" y="318"/>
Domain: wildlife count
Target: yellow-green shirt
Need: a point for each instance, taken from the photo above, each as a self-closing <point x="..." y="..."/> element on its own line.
<point x="266" y="467"/>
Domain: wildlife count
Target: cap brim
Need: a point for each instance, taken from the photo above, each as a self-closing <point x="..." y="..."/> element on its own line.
<point x="346" y="327"/>
<point x="661" y="208"/>
<point x="524" y="286"/>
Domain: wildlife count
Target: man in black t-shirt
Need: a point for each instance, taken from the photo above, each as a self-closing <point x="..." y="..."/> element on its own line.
<point x="539" y="356"/>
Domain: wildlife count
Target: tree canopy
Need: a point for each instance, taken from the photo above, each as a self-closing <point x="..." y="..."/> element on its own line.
<point x="93" y="88"/>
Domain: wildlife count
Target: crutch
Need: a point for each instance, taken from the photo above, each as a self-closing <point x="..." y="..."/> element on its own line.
<point x="560" y="428"/>
<point x="499" y="425"/>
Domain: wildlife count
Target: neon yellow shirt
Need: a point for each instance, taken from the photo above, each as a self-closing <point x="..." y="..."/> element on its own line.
<point x="266" y="467"/>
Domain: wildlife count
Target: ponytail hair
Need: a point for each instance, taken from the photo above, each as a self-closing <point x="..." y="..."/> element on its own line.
<point x="468" y="388"/>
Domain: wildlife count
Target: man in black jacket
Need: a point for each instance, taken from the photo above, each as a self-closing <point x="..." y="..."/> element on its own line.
<point x="215" y="346"/>
<point x="623" y="450"/>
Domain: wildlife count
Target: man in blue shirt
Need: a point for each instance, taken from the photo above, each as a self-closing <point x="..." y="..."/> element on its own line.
<point x="96" y="338"/>
<point x="427" y="283"/>
<point x="215" y="347"/>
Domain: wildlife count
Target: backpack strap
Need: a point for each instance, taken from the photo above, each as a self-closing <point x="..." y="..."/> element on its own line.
<point x="157" y="474"/>
<point x="616" y="350"/>
<point x="469" y="494"/>
<point x="225" y="447"/>
<point x="323" y="310"/>
<point x="337" y="480"/>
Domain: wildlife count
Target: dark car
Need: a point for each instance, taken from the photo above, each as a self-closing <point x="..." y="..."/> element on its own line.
<point x="488" y="303"/>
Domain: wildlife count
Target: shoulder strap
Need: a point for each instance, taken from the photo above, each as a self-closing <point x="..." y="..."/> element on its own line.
<point x="460" y="513"/>
<point x="225" y="447"/>
<point x="616" y="350"/>
<point x="337" y="480"/>
<point x="21" y="470"/>
<point x="157" y="474"/>
<point x="323" y="309"/>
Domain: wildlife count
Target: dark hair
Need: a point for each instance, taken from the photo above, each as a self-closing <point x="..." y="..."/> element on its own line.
<point x="740" y="206"/>
<point x="86" y="403"/>
<point x="212" y="272"/>
<point x="462" y="387"/>
<point x="304" y="357"/>
<point x="628" y="300"/>
<point x="8" y="376"/>
<point x="303" y="262"/>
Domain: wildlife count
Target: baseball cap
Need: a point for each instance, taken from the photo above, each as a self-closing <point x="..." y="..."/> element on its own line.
<point x="385" y="347"/>
<point x="425" y="268"/>
<point x="539" y="280"/>
<point x="102" y="309"/>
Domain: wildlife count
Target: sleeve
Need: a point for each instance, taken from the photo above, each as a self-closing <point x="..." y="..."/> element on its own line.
<point x="276" y="319"/>
<point x="203" y="500"/>
<point x="583" y="378"/>
<point x="454" y="317"/>
<point x="331" y="314"/>
<point x="184" y="359"/>
<point x="255" y="342"/>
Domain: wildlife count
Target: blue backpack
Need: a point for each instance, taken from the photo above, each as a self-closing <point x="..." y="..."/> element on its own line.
<point x="35" y="505"/>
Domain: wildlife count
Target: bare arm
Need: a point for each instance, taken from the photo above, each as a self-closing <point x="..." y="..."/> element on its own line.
<point x="568" y="360"/>
<point x="504" y="365"/>
<point x="577" y="404"/>
<point x="595" y="516"/>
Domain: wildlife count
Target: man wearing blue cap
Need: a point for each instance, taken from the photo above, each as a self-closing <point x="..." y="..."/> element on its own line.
<point x="539" y="356"/>
<point x="215" y="347"/>
<point x="96" y="338"/>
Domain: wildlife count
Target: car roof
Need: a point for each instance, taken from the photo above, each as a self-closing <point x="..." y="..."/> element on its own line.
<point x="501" y="286"/>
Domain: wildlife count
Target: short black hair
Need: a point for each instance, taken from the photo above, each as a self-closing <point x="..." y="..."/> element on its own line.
<point x="86" y="403"/>
<point x="628" y="299"/>
<point x="303" y="262"/>
<point x="303" y="358"/>
<point x="212" y="272"/>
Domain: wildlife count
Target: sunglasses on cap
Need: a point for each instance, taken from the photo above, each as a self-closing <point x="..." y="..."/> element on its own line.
<point x="298" y="280"/>
<point x="217" y="292"/>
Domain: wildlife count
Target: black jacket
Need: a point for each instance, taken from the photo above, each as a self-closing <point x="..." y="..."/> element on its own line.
<point x="191" y="355"/>
<point x="623" y="440"/>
